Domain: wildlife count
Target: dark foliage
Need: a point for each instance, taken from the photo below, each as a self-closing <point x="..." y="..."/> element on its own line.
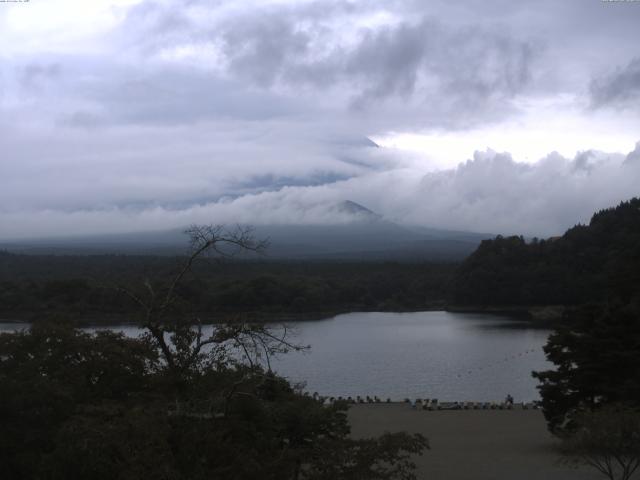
<point x="596" y="353"/>
<point x="588" y="263"/>
<point x="53" y="372"/>
<point x="607" y="440"/>
<point x="83" y="287"/>
<point x="74" y="405"/>
<point x="177" y="403"/>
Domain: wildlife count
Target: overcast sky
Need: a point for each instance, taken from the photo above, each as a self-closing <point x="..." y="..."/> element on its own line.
<point x="493" y="116"/>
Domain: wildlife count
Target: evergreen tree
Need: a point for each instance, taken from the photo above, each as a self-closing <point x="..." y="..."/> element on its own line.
<point x="596" y="353"/>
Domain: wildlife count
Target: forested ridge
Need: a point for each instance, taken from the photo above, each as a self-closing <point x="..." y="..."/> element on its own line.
<point x="588" y="263"/>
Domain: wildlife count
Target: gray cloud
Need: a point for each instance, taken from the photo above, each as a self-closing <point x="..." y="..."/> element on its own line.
<point x="33" y="74"/>
<point x="425" y="66"/>
<point x="494" y="193"/>
<point x="489" y="193"/>
<point x="163" y="165"/>
<point x="261" y="49"/>
<point x="619" y="89"/>
<point x="420" y="70"/>
<point x="467" y="67"/>
<point x="173" y="96"/>
<point x="216" y="111"/>
<point x="634" y="156"/>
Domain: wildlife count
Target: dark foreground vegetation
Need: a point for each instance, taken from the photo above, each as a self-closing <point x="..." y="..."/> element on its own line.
<point x="80" y="406"/>
<point x="176" y="403"/>
<point x="596" y="352"/>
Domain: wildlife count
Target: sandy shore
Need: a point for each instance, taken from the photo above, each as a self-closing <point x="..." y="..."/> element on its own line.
<point x="473" y="444"/>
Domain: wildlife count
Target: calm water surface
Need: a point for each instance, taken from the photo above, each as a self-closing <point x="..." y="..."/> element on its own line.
<point x="449" y="356"/>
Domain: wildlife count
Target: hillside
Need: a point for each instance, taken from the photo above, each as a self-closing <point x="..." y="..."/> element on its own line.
<point x="588" y="263"/>
<point x="357" y="234"/>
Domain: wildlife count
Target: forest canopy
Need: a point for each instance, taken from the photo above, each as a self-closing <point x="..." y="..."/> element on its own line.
<point x="588" y="263"/>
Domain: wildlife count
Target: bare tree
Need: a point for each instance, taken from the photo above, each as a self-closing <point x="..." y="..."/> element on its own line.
<point x="181" y="340"/>
<point x="608" y="440"/>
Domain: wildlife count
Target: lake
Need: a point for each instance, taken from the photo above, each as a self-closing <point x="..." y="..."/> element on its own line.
<point x="444" y="355"/>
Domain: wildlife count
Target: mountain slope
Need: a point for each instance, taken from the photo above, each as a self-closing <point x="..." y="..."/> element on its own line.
<point x="360" y="234"/>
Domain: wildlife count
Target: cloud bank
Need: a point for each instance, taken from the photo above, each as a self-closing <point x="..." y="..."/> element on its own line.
<point x="489" y="193"/>
<point x="124" y="115"/>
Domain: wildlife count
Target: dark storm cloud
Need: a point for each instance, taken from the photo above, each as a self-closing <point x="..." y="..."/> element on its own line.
<point x="468" y="67"/>
<point x="421" y="65"/>
<point x="618" y="89"/>
<point x="262" y="49"/>
<point x="421" y="69"/>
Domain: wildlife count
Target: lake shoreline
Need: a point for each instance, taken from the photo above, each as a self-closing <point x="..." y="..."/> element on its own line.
<point x="535" y="316"/>
<point x="97" y="320"/>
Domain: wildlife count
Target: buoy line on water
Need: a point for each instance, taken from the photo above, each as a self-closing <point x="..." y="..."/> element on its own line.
<point x="487" y="366"/>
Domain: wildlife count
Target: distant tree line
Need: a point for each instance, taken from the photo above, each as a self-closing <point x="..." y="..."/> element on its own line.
<point x="83" y="287"/>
